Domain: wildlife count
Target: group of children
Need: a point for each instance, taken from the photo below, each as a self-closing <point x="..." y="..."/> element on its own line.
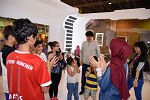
<point x="72" y="64"/>
<point x="72" y="80"/>
<point x="72" y="70"/>
<point x="26" y="71"/>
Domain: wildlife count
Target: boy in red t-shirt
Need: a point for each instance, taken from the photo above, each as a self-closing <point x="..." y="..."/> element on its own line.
<point x="28" y="77"/>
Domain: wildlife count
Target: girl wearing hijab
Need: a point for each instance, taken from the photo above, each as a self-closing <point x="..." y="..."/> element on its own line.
<point x="139" y="63"/>
<point x="112" y="78"/>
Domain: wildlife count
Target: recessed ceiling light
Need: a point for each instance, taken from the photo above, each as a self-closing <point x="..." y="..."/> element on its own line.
<point x="110" y="3"/>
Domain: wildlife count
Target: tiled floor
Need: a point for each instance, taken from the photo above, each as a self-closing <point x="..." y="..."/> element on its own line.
<point x="62" y="95"/>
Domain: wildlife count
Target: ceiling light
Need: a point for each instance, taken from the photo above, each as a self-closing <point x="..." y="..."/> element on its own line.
<point x="110" y="3"/>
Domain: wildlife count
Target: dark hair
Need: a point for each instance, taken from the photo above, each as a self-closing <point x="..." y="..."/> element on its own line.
<point x="52" y="44"/>
<point x="96" y="58"/>
<point x="8" y="30"/>
<point x="37" y="43"/>
<point x="24" y="28"/>
<point x="89" y="33"/>
<point x="58" y="52"/>
<point x="63" y="54"/>
<point x="69" y="60"/>
<point x="142" y="47"/>
<point x="69" y="50"/>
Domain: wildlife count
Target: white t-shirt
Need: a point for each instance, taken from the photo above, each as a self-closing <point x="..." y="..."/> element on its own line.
<point x="43" y="56"/>
<point x="4" y="75"/>
<point x="73" y="79"/>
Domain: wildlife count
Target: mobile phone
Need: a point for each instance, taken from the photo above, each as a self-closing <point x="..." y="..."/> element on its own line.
<point x="57" y="53"/>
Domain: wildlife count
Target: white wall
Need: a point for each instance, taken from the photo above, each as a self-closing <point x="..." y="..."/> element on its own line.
<point x="49" y="12"/>
<point x="79" y="25"/>
<point x="53" y="13"/>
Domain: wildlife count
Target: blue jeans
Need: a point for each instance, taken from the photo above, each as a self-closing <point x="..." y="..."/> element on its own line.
<point x="137" y="90"/>
<point x="72" y="89"/>
<point x="7" y="96"/>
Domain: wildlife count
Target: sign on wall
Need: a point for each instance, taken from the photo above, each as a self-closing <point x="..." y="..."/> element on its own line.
<point x="99" y="38"/>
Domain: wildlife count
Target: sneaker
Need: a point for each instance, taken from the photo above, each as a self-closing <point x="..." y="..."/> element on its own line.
<point x="81" y="92"/>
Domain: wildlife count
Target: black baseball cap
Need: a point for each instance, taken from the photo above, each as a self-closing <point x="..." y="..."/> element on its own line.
<point x="89" y="33"/>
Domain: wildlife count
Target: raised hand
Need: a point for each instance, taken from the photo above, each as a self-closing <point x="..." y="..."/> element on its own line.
<point x="103" y="63"/>
<point x="94" y="62"/>
<point x="53" y="61"/>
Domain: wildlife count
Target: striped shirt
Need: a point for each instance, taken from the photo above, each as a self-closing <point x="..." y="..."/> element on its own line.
<point x="91" y="81"/>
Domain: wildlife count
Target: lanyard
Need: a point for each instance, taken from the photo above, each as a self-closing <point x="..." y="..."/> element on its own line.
<point x="135" y="59"/>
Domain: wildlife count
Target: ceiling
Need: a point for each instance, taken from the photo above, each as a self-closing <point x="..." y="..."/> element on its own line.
<point x="97" y="6"/>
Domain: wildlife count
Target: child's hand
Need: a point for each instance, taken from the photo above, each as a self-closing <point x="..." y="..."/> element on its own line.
<point x="75" y="64"/>
<point x="75" y="61"/>
<point x="93" y="68"/>
<point x="90" y="69"/>
<point x="94" y="62"/>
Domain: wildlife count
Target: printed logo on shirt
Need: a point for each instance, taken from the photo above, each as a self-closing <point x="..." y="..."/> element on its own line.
<point x="25" y="65"/>
<point x="15" y="96"/>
